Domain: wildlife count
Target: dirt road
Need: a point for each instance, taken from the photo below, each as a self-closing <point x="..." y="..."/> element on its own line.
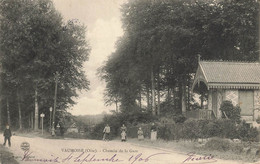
<point x="75" y="151"/>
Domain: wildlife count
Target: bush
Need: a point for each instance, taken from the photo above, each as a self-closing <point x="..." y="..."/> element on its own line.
<point x="194" y="129"/>
<point x="247" y="133"/>
<point x="231" y="111"/>
<point x="73" y="135"/>
<point x="116" y="120"/>
<point x="179" y="118"/>
<point x="191" y="129"/>
<point x="218" y="144"/>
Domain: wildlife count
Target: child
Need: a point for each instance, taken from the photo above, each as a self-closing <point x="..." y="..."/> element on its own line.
<point x="106" y="132"/>
<point x="140" y="134"/>
<point x="123" y="133"/>
<point x="7" y="135"/>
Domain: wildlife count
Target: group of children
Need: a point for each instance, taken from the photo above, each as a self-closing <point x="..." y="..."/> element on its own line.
<point x="123" y="130"/>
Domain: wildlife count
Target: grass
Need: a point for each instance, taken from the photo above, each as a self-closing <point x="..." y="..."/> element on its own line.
<point x="6" y="157"/>
<point x="230" y="152"/>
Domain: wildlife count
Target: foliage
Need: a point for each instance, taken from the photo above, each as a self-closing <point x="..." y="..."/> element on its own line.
<point x="179" y="118"/>
<point x="232" y="112"/>
<point x="36" y="44"/>
<point x="194" y="129"/>
<point x="162" y="40"/>
<point x="258" y="120"/>
<point x="246" y="132"/>
<point x="218" y="144"/>
<point x="73" y="135"/>
<point x="116" y="120"/>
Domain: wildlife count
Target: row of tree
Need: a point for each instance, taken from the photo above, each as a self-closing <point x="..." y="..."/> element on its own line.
<point x="38" y="50"/>
<point x="156" y="58"/>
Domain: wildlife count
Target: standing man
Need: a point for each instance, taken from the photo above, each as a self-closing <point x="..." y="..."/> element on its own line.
<point x="106" y="132"/>
<point x="7" y="135"/>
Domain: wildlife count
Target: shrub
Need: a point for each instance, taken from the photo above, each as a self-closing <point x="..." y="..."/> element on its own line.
<point x="73" y="135"/>
<point x="116" y="120"/>
<point x="165" y="133"/>
<point x="191" y="129"/>
<point x="194" y="129"/>
<point x="218" y="144"/>
<point x="179" y="118"/>
<point x="213" y="129"/>
<point x="247" y="133"/>
<point x="258" y="120"/>
<point x="229" y="110"/>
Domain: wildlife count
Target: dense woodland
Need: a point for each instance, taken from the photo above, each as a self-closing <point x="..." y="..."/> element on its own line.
<point x="39" y="50"/>
<point x="150" y="72"/>
<point x="156" y="58"/>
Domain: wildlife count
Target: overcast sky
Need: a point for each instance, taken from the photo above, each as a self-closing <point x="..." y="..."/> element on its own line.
<point x="102" y="18"/>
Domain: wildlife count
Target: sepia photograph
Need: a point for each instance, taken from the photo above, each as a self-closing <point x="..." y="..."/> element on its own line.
<point x="129" y="81"/>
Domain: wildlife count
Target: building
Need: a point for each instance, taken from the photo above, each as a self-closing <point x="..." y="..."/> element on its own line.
<point x="73" y="129"/>
<point x="238" y="82"/>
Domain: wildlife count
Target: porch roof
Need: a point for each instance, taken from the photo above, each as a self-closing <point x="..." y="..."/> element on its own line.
<point x="233" y="75"/>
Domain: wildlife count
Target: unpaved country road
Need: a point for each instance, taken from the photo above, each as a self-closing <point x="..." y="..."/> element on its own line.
<point x="95" y="151"/>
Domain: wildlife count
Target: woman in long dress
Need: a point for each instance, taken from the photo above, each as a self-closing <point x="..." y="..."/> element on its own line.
<point x="140" y="134"/>
<point x="123" y="133"/>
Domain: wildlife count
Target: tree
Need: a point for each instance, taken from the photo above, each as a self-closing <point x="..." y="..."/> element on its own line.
<point x="162" y="39"/>
<point x="35" y="43"/>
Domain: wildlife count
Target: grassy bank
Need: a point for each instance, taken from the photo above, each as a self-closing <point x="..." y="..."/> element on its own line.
<point x="245" y="152"/>
<point x="6" y="157"/>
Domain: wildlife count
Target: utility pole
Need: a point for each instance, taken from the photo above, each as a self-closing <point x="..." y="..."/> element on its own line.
<point x="42" y="115"/>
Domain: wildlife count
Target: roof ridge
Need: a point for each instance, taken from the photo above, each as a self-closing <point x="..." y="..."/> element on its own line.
<point x="231" y="61"/>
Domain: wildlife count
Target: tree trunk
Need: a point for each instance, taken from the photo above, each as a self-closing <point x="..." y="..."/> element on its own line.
<point x="19" y="109"/>
<point x="32" y="123"/>
<point x="174" y="97"/>
<point x="153" y="92"/>
<point x="158" y="93"/>
<point x="189" y="95"/>
<point x="258" y="33"/>
<point x="8" y="111"/>
<point x="183" y="100"/>
<point x="140" y="98"/>
<point x="36" y="109"/>
<point x="201" y="100"/>
<point x="168" y="93"/>
<point x="29" y="121"/>
<point x="1" y="113"/>
<point x="116" y="105"/>
<point x="148" y="97"/>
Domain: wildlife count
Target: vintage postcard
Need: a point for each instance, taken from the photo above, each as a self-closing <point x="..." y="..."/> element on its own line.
<point x="129" y="81"/>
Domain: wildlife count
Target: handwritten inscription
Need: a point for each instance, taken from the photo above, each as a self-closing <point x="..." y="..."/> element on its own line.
<point x="89" y="158"/>
<point x="192" y="158"/>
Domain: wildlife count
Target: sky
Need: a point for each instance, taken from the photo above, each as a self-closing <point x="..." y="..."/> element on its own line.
<point x="103" y="21"/>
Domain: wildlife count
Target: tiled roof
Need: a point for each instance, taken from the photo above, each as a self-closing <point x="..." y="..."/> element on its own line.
<point x="231" y="72"/>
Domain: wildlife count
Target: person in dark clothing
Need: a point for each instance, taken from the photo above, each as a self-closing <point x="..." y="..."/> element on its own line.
<point x="153" y="132"/>
<point x="7" y="135"/>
